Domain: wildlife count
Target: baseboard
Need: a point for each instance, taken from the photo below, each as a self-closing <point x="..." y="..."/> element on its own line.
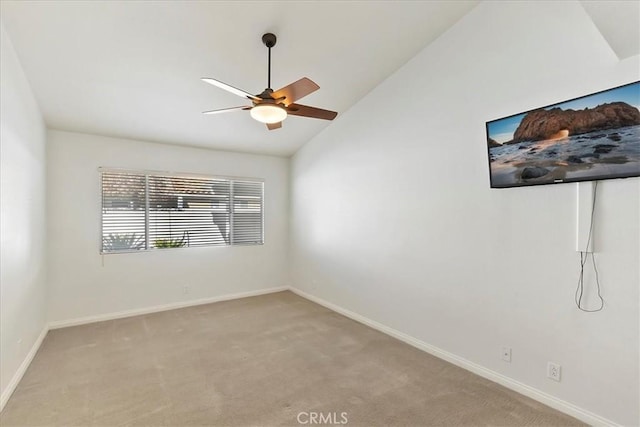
<point x="6" y="394"/>
<point x="540" y="396"/>
<point x="155" y="309"/>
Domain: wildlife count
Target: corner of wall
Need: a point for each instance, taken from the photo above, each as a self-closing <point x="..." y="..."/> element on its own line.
<point x="23" y="222"/>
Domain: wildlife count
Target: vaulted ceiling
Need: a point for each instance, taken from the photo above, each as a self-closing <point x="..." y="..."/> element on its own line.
<point x="133" y="69"/>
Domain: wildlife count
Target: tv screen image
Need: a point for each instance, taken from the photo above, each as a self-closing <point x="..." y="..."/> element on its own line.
<point x="593" y="137"/>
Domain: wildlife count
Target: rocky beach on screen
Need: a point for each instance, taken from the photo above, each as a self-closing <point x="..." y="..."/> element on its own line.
<point x="558" y="145"/>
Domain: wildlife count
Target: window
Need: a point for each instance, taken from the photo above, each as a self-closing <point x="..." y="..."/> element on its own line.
<point x="142" y="211"/>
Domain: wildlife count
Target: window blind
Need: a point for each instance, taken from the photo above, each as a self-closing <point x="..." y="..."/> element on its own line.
<point x="123" y="212"/>
<point x="247" y="212"/>
<point x="142" y="211"/>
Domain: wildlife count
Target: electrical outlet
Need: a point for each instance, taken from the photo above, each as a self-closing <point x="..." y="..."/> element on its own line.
<point x="506" y="354"/>
<point x="185" y="290"/>
<point x="554" y="371"/>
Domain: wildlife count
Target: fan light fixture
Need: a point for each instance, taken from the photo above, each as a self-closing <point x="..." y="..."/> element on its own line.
<point x="268" y="113"/>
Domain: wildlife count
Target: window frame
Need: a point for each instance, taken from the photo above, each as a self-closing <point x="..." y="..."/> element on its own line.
<point x="147" y="173"/>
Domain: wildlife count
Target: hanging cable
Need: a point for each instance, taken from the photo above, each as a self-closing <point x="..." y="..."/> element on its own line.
<point x="584" y="256"/>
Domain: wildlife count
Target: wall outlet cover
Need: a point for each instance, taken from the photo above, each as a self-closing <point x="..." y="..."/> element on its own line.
<point x="506" y="354"/>
<point x="554" y="371"/>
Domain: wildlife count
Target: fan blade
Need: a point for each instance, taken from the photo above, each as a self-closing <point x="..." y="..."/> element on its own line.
<point x="273" y="126"/>
<point x="226" y="110"/>
<point x="313" y="112"/>
<point x="230" y="88"/>
<point x="296" y="90"/>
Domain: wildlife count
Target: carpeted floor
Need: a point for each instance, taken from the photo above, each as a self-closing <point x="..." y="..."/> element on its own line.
<point x="270" y="360"/>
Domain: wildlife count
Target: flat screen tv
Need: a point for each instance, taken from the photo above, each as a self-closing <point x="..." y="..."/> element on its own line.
<point x="590" y="138"/>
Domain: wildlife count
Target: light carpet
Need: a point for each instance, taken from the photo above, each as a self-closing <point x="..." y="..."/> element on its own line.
<point x="271" y="360"/>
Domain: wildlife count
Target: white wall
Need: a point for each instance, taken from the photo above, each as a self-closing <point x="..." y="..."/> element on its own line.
<point x="393" y="217"/>
<point x="83" y="283"/>
<point x="22" y="217"/>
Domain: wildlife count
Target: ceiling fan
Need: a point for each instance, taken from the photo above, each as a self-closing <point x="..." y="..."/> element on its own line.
<point x="272" y="107"/>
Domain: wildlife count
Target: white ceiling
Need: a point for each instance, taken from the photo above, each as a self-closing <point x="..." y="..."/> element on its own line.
<point x="133" y="69"/>
<point x="619" y="23"/>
